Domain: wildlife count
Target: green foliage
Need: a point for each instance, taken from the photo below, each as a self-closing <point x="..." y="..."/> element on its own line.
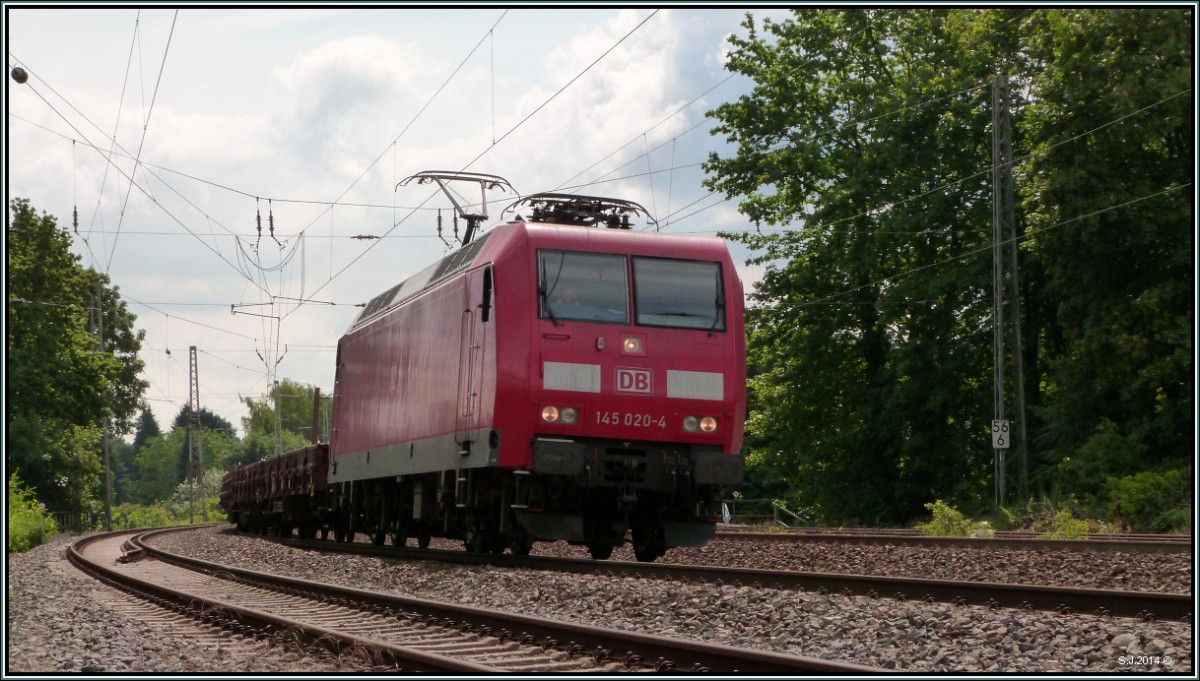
<point x="62" y="457"/>
<point x="947" y="521"/>
<point x="156" y="467"/>
<point x="1153" y="501"/>
<point x="1106" y="453"/>
<point x="1055" y="518"/>
<point x="146" y="429"/>
<point x="866" y="386"/>
<point x="28" y="522"/>
<point x="208" y="421"/>
<point x="184" y="505"/>
<point x="1118" y="285"/>
<point x="59" y="385"/>
<point x="160" y="465"/>
<point x="862" y="154"/>
<point x="1066" y="526"/>
<point x="135" y="516"/>
<point x="295" y="408"/>
<point x="258" y="445"/>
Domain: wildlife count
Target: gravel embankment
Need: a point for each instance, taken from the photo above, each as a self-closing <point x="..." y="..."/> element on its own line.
<point x="909" y="636"/>
<point x="1124" y="571"/>
<point x="62" y="621"/>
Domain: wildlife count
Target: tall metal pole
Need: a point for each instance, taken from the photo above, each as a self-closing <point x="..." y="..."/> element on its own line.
<point x="278" y="423"/>
<point x="99" y="312"/>
<point x="316" y="419"/>
<point x="1008" y="207"/>
<point x="1006" y="225"/>
<point x="1000" y="142"/>
<point x="195" y="439"/>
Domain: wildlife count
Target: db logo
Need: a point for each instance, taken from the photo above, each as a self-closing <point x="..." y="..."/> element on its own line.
<point x="633" y="381"/>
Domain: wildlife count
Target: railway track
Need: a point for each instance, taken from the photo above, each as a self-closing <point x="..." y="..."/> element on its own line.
<point x="1136" y="604"/>
<point x="406" y="634"/>
<point x="1012" y="540"/>
<point x="908" y="532"/>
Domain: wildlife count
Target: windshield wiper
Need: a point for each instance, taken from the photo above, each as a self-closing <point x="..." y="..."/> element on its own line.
<point x="545" y="298"/>
<point x="720" y="305"/>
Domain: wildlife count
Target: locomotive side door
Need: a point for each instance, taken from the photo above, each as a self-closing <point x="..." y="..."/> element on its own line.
<point x="470" y="361"/>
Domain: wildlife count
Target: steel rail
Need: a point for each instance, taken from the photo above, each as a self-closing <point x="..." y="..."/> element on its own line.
<point x="1004" y="542"/>
<point x="335" y="641"/>
<point x="710" y="657"/>
<point x="1139" y="604"/>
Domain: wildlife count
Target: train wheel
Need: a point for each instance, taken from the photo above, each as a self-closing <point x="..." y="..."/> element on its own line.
<point x="600" y="551"/>
<point x="379" y="536"/>
<point x="520" y="546"/>
<point x="307" y="530"/>
<point x="494" y="541"/>
<point x="474" y="541"/>
<point x="399" y="537"/>
<point x="482" y="538"/>
<point x="648" y="543"/>
<point x="423" y="539"/>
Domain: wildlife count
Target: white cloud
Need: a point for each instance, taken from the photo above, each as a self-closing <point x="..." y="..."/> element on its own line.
<point x="296" y="104"/>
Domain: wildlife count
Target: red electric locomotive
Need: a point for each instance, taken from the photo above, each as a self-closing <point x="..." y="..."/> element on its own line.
<point x="560" y="377"/>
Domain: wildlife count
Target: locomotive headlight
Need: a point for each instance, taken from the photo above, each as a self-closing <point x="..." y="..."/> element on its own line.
<point x="700" y="424"/>
<point x="567" y="416"/>
<point x="632" y="345"/>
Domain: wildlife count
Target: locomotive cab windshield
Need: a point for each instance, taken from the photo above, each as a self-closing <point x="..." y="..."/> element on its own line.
<point x="583" y="287"/>
<point x="682" y="294"/>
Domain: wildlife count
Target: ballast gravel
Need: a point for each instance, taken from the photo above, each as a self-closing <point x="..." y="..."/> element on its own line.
<point x="55" y="624"/>
<point x="61" y="621"/>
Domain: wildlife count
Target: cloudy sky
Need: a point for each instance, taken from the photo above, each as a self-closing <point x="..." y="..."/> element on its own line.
<point x="310" y="117"/>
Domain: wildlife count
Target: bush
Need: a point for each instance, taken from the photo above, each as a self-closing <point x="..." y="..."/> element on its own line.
<point x="1066" y="526"/>
<point x="1153" y="501"/>
<point x="136" y="516"/>
<point x="947" y="522"/>
<point x="28" y="522"/>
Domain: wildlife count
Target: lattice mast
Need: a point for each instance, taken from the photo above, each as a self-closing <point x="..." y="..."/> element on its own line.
<point x="195" y="467"/>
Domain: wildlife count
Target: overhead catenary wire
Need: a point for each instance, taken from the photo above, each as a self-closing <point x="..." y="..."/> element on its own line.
<point x="501" y="138"/>
<point x="185" y="319"/>
<point x="618" y="150"/>
<point x="116" y="124"/>
<point x="109" y="163"/>
<point x="675" y="113"/>
<point x="562" y="89"/>
<point x="982" y="173"/>
<point x="259" y="281"/>
<point x="679" y="212"/>
<point x="142" y="142"/>
<point x="277" y="199"/>
<point x="990" y="247"/>
<point x="416" y="116"/>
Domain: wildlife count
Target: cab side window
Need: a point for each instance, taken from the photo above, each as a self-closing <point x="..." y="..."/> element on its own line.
<point x="485" y="314"/>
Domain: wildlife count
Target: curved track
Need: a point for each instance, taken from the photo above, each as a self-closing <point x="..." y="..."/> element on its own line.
<point x="1140" y="543"/>
<point x="404" y="633"/>
<point x="1139" y="604"/>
